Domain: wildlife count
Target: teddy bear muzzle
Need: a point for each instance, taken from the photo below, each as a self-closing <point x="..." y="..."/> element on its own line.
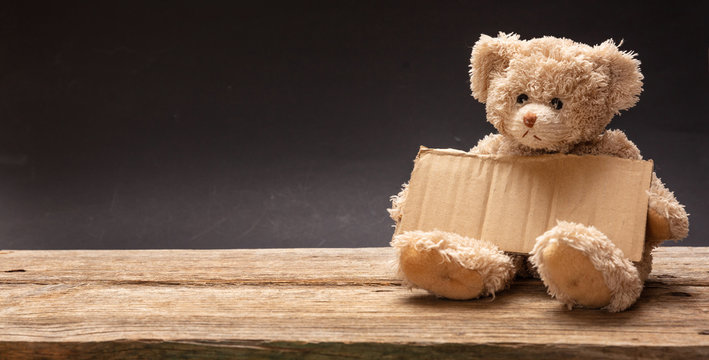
<point x="529" y="119"/>
<point x="538" y="126"/>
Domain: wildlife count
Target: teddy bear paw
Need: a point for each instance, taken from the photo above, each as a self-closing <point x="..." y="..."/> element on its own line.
<point x="451" y="266"/>
<point x="581" y="266"/>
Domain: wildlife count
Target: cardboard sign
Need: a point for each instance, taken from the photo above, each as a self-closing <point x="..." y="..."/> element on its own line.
<point x="511" y="200"/>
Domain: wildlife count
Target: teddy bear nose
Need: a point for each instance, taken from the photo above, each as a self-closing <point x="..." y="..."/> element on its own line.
<point x="529" y="119"/>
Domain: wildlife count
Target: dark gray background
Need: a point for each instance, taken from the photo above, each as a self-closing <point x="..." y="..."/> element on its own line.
<point x="190" y="125"/>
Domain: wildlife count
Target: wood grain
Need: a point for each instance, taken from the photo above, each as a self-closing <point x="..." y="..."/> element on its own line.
<point x="321" y="303"/>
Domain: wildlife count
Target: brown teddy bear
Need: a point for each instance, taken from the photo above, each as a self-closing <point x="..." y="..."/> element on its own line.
<point x="546" y="95"/>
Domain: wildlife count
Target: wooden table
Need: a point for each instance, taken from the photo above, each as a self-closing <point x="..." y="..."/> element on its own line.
<point x="321" y="304"/>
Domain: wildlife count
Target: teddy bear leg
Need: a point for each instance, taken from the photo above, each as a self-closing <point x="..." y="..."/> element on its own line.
<point x="581" y="266"/>
<point x="451" y="266"/>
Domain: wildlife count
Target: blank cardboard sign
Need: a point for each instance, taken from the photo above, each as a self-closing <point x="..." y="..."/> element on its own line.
<point x="510" y="201"/>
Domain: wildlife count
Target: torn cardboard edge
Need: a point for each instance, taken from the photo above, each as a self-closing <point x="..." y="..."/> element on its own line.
<point x="511" y="200"/>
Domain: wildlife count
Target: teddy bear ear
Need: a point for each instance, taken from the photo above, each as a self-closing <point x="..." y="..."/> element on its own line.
<point x="489" y="59"/>
<point x="624" y="76"/>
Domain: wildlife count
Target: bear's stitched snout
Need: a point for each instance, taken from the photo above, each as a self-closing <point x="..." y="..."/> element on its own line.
<point x="529" y="119"/>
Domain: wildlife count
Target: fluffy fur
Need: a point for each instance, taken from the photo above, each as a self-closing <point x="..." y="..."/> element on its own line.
<point x="592" y="84"/>
<point x="493" y="265"/>
<point x="619" y="274"/>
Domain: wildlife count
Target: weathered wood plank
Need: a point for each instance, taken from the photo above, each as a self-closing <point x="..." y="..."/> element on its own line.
<point x="320" y="303"/>
<point x="120" y="350"/>
<point x="199" y="267"/>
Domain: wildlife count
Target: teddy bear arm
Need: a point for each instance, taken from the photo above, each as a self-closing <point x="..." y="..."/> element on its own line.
<point x="611" y="143"/>
<point x="492" y="144"/>
<point x="667" y="218"/>
<point x="397" y="201"/>
<point x="487" y="145"/>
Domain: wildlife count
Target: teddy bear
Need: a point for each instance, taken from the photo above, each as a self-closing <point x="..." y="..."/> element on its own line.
<point x="546" y="95"/>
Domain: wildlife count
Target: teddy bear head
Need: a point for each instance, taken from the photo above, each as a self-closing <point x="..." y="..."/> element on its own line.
<point x="551" y="93"/>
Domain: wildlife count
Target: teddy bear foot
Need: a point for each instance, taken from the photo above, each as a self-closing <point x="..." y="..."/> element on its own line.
<point x="451" y="266"/>
<point x="580" y="266"/>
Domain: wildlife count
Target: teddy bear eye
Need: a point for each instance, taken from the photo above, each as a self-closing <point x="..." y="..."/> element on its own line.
<point x="522" y="98"/>
<point x="556" y="103"/>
